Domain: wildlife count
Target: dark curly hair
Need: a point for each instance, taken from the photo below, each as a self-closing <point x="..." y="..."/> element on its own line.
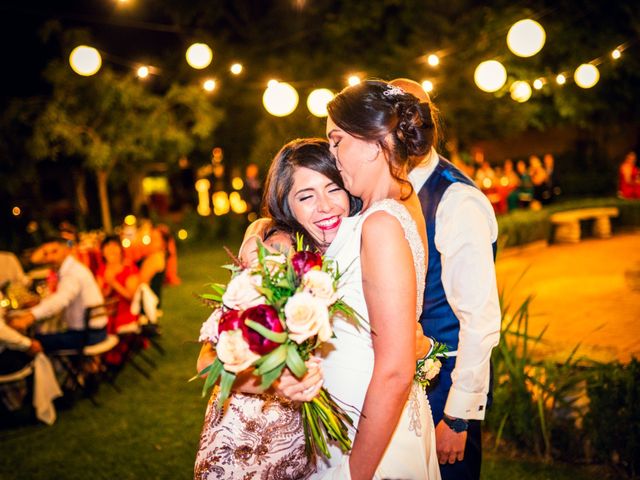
<point x="311" y="153"/>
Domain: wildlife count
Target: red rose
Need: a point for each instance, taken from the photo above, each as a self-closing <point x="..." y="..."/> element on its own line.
<point x="304" y="261"/>
<point x="230" y="320"/>
<point x="267" y="316"/>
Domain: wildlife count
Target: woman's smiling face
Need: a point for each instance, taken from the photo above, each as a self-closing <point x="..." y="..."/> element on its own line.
<point x="317" y="203"/>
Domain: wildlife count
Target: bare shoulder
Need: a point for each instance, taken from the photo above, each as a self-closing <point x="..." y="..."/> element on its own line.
<point x="382" y="229"/>
<point x="258" y="228"/>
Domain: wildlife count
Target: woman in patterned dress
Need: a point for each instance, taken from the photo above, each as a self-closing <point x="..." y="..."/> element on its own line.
<point x="259" y="435"/>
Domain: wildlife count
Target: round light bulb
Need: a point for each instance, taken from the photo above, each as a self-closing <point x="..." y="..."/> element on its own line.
<point x="433" y="60"/>
<point x="280" y="99"/>
<point x="616" y="54"/>
<point x="490" y="76"/>
<point x="526" y="38"/>
<point x="236" y="68"/>
<point x="143" y="72"/>
<point x="317" y="101"/>
<point x="538" y="83"/>
<point x="199" y="55"/>
<point x="561" y="79"/>
<point x="520" y="91"/>
<point x="85" y="61"/>
<point x="353" y="80"/>
<point x="427" y="86"/>
<point x="586" y="75"/>
<point x="209" y="85"/>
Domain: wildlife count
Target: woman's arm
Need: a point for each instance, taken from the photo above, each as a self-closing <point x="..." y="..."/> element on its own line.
<point x="129" y="288"/>
<point x="392" y="315"/>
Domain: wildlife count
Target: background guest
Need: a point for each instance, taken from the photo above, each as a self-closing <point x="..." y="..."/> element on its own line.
<point x="629" y="177"/>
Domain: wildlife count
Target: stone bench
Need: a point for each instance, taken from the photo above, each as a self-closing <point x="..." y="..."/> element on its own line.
<point x="568" y="223"/>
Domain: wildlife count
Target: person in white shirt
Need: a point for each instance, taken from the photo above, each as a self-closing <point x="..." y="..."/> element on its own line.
<point x="16" y="350"/>
<point x="76" y="291"/>
<point x="461" y="305"/>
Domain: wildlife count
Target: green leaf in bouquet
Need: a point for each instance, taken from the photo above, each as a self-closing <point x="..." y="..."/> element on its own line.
<point x="212" y="296"/>
<point x="272" y="360"/>
<point x="294" y="361"/>
<point x="218" y="288"/>
<point x="278" y="337"/>
<point x="201" y="373"/>
<point x="266" y="292"/>
<point x="225" y="386"/>
<point x="216" y="368"/>
<point x="271" y="376"/>
<point x="262" y="252"/>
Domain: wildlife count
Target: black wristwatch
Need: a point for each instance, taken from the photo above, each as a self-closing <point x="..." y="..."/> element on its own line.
<point x="458" y="425"/>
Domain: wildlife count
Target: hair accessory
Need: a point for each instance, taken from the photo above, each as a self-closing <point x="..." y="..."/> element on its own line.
<point x="393" y="90"/>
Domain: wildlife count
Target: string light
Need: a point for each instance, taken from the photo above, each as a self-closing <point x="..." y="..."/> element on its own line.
<point x="16" y="211"/>
<point x="616" y="54"/>
<point x="586" y="75"/>
<point x="85" y="61"/>
<point x="199" y="55"/>
<point x="427" y="86"/>
<point x="236" y="68"/>
<point x="490" y="76"/>
<point x="130" y="220"/>
<point x="520" y="91"/>
<point x="143" y="72"/>
<point x="433" y="60"/>
<point x="209" y="85"/>
<point x="561" y="79"/>
<point x="280" y="99"/>
<point x="353" y="80"/>
<point x="182" y="234"/>
<point x="538" y="83"/>
<point x="317" y="101"/>
<point x="526" y="38"/>
<point x="237" y="183"/>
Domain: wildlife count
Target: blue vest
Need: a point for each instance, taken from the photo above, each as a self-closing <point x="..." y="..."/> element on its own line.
<point x="437" y="319"/>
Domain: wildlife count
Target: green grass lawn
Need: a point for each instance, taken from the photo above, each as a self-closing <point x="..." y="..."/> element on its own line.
<point x="151" y="429"/>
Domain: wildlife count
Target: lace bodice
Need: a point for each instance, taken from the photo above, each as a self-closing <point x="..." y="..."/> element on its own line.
<point x="399" y="211"/>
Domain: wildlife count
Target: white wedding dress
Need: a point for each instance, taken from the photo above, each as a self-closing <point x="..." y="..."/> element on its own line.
<point x="349" y="360"/>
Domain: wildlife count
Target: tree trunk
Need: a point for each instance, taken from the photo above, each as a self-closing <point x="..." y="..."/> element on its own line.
<point x="80" y="183"/>
<point x="136" y="193"/>
<point x="103" y="194"/>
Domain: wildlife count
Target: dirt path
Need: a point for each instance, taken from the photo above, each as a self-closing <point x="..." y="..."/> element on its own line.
<point x="587" y="293"/>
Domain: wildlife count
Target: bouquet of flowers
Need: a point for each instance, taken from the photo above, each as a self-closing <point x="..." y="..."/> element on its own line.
<point x="274" y="315"/>
<point x="428" y="367"/>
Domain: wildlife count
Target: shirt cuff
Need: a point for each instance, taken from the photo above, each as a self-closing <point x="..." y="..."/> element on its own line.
<point x="469" y="406"/>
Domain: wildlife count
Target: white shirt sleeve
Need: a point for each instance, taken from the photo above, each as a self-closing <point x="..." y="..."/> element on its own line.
<point x="68" y="288"/>
<point x="12" y="338"/>
<point x="465" y="229"/>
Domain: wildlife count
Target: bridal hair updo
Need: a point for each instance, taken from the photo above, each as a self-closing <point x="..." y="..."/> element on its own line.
<point x="311" y="153"/>
<point x="372" y="110"/>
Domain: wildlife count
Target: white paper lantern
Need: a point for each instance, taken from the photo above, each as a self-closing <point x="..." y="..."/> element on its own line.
<point x="85" y="61"/>
<point x="490" y="76"/>
<point x="526" y="38"/>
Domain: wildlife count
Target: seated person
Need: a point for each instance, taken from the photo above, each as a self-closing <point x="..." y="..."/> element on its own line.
<point x="629" y="177"/>
<point x="76" y="291"/>
<point x="11" y="270"/>
<point x="118" y="280"/>
<point x="16" y="350"/>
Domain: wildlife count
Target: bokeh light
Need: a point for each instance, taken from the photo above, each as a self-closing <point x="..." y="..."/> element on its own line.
<point x="520" y="91"/>
<point x="538" y="83"/>
<point x="209" y="85"/>
<point x="490" y="76"/>
<point x="561" y="79"/>
<point x="526" y="38"/>
<point x="317" y="101"/>
<point x="199" y="55"/>
<point x="236" y="68"/>
<point x="220" y="202"/>
<point x="616" y="54"/>
<point x="586" y="75"/>
<point x="183" y="234"/>
<point x="433" y="60"/>
<point x="16" y="211"/>
<point x="85" y="61"/>
<point x="130" y="220"/>
<point x="427" y="86"/>
<point x="237" y="183"/>
<point x="280" y="99"/>
<point x="143" y="72"/>
<point x="353" y="80"/>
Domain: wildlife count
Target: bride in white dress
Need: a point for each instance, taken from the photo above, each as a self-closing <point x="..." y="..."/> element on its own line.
<point x="374" y="130"/>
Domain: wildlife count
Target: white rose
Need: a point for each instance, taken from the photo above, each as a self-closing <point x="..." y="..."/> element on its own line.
<point x="233" y="351"/>
<point x="241" y="292"/>
<point x="307" y="316"/>
<point x="274" y="263"/>
<point x="320" y="285"/>
<point x="431" y="368"/>
<point x="209" y="329"/>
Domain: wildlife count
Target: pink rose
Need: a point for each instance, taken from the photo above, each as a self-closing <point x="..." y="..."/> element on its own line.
<point x="266" y="316"/>
<point x="230" y="320"/>
<point x="304" y="261"/>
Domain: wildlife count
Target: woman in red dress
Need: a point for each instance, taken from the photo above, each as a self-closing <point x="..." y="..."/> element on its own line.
<point x="629" y="177"/>
<point x="118" y="280"/>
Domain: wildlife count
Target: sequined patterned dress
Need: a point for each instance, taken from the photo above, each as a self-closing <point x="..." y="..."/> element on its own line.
<point x="254" y="437"/>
